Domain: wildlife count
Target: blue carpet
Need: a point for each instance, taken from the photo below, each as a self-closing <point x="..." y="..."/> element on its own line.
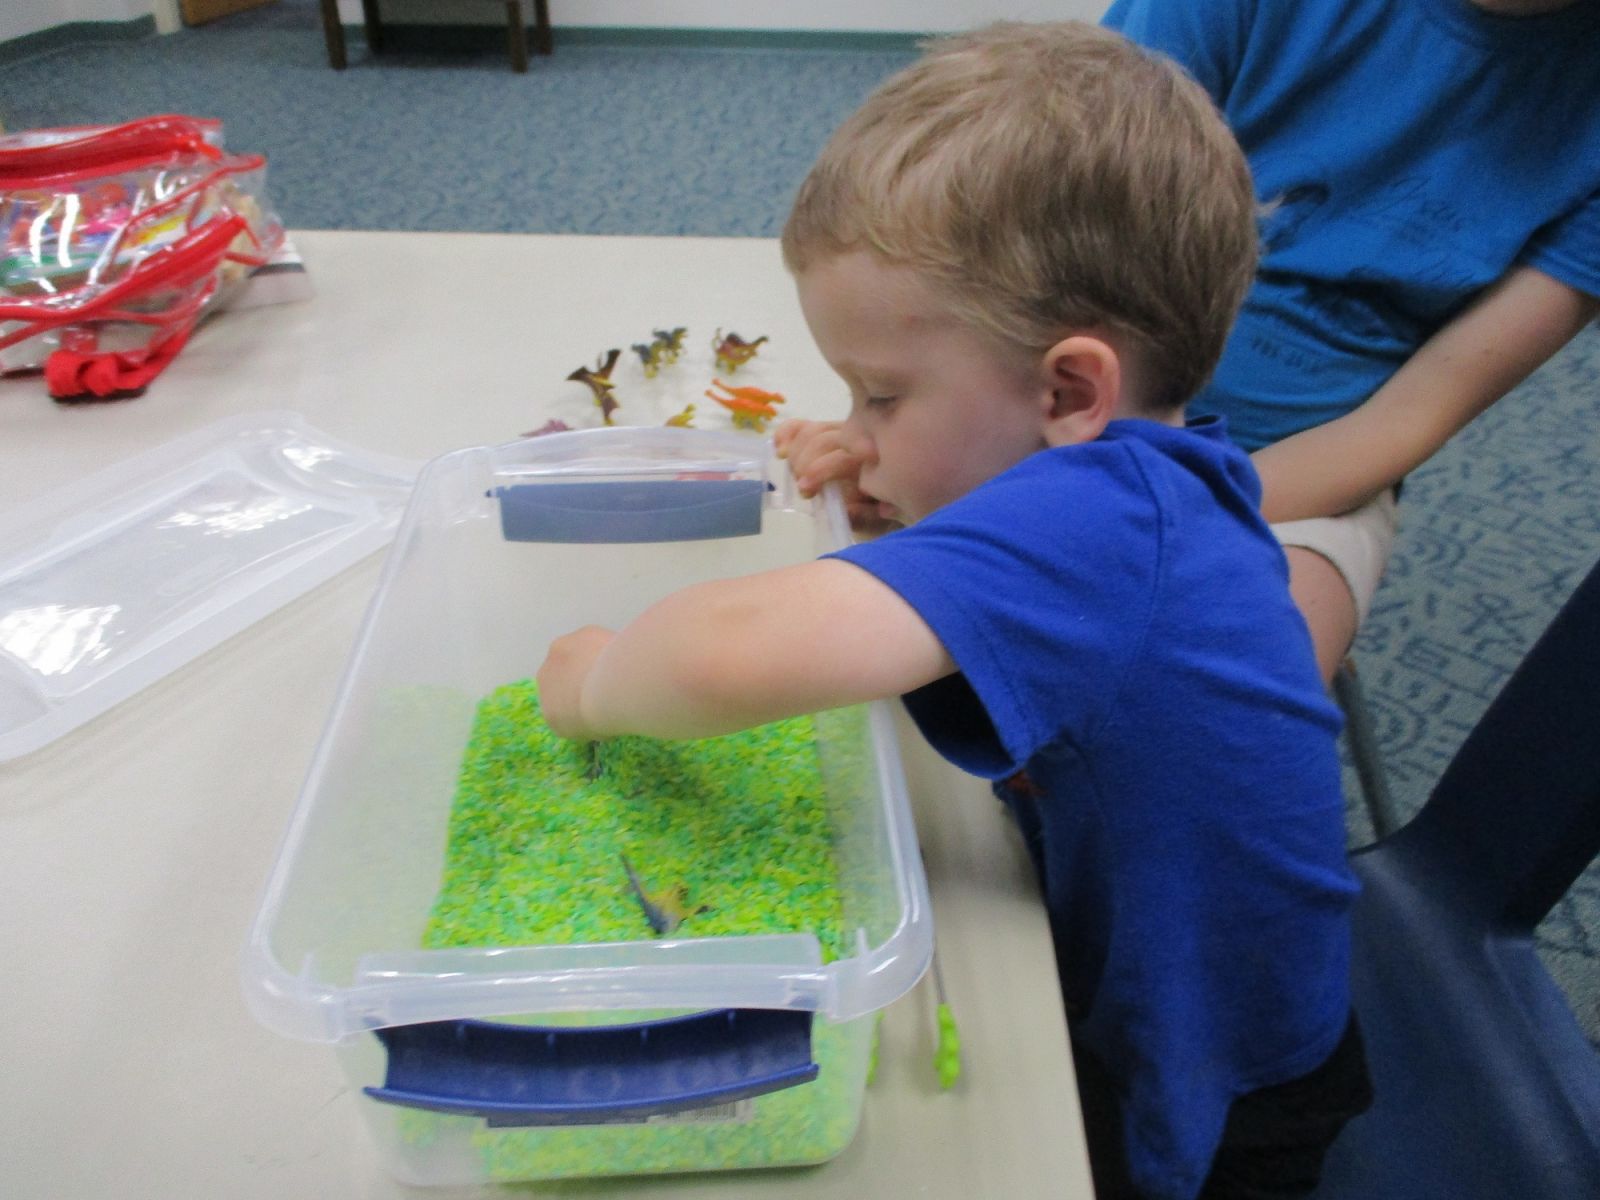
<point x="668" y="140"/>
<point x="593" y="140"/>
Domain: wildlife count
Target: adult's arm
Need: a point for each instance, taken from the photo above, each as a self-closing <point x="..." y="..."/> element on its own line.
<point x="1512" y="328"/>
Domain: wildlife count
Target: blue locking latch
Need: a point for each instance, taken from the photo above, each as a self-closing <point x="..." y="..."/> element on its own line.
<point x="514" y="1075"/>
<point x="631" y="510"/>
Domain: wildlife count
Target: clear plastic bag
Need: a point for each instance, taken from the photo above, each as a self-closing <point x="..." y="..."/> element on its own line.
<point x="115" y="241"/>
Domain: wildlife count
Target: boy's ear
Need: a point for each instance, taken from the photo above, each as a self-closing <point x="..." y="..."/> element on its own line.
<point x="1084" y="377"/>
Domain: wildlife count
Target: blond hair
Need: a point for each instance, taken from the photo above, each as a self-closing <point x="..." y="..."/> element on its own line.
<point x="1048" y="178"/>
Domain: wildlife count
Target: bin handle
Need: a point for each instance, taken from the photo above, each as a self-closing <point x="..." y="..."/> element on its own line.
<point x="632" y="510"/>
<point x="516" y="1075"/>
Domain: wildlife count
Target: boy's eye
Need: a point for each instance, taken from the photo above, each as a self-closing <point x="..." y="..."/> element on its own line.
<point x="880" y="402"/>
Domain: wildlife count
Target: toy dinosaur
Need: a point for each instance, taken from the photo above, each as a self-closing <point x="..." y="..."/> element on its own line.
<point x="599" y="382"/>
<point x="663" y="350"/>
<point x="751" y="407"/>
<point x="553" y="425"/>
<point x="670" y="341"/>
<point x="666" y="909"/>
<point x="685" y="419"/>
<point x="650" y="356"/>
<point x="733" y="351"/>
<point x="751" y="395"/>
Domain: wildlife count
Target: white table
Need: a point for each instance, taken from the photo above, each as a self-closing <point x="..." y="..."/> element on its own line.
<point x="133" y="850"/>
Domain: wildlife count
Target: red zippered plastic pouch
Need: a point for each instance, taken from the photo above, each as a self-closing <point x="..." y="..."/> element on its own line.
<point x="116" y="240"/>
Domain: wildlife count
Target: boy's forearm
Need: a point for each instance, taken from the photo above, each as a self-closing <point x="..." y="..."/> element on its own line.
<point x="669" y="675"/>
<point x="727" y="655"/>
<point x="1458" y="373"/>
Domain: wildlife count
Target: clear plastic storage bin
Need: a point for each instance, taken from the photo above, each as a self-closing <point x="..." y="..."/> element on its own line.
<point x="546" y="1061"/>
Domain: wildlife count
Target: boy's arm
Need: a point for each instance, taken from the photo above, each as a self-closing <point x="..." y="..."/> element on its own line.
<point x="723" y="656"/>
<point x="1479" y="356"/>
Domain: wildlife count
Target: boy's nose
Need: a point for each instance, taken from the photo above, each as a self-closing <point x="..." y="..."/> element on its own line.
<point x="856" y="441"/>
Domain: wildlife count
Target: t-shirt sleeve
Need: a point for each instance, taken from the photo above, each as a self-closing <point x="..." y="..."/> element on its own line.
<point x="1040" y="594"/>
<point x="1568" y="248"/>
<point x="1207" y="37"/>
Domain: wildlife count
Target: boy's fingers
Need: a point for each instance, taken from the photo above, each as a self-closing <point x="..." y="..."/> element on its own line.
<point x="796" y="439"/>
<point x="561" y="677"/>
<point x="837" y="463"/>
<point x="807" y="449"/>
<point x="786" y="433"/>
<point x="794" y="433"/>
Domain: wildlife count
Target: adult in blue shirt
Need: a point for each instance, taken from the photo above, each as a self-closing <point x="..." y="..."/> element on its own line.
<point x="1430" y="172"/>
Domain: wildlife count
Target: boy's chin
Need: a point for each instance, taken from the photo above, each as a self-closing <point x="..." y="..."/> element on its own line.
<point x="888" y="512"/>
<point x="869" y="515"/>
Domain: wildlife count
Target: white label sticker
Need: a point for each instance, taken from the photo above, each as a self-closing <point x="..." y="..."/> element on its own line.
<point x="736" y="1112"/>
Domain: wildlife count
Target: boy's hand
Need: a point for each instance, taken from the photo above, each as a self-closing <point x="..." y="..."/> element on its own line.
<point x="817" y="454"/>
<point x="561" y="679"/>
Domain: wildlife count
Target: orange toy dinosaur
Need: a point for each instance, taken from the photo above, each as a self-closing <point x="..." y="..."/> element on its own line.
<point x="751" y="407"/>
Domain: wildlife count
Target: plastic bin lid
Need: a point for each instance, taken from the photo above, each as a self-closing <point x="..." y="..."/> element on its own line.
<point x="117" y="580"/>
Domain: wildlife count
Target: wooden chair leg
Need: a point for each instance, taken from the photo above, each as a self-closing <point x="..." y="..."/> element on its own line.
<point x="374" y="22"/>
<point x="517" y="35"/>
<point x="542" y="41"/>
<point x="333" y="34"/>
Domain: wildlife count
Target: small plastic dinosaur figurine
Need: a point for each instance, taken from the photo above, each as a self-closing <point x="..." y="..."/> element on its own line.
<point x="553" y="425"/>
<point x="650" y="356"/>
<point x="663" y="351"/>
<point x="670" y="341"/>
<point x="751" y="407"/>
<point x="753" y="394"/>
<point x="733" y="351"/>
<point x="685" y="419"/>
<point x="746" y="415"/>
<point x="599" y="382"/>
<point x="666" y="909"/>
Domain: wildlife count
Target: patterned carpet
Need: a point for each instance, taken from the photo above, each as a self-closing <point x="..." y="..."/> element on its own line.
<point x="1496" y="531"/>
<point x="594" y="139"/>
<point x="614" y="139"/>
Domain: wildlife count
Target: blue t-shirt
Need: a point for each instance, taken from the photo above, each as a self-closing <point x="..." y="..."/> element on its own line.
<point x="1120" y="618"/>
<point x="1413" y="151"/>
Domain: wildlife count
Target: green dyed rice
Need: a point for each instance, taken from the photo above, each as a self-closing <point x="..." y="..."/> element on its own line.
<point x="534" y="857"/>
<point x="535" y="847"/>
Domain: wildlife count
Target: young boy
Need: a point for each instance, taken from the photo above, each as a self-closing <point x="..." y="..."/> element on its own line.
<point x="1022" y="255"/>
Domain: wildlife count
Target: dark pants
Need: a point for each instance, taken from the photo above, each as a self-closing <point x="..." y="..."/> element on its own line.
<point x="1275" y="1138"/>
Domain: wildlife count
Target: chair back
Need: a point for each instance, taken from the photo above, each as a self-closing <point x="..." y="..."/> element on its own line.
<point x="1486" y="1088"/>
